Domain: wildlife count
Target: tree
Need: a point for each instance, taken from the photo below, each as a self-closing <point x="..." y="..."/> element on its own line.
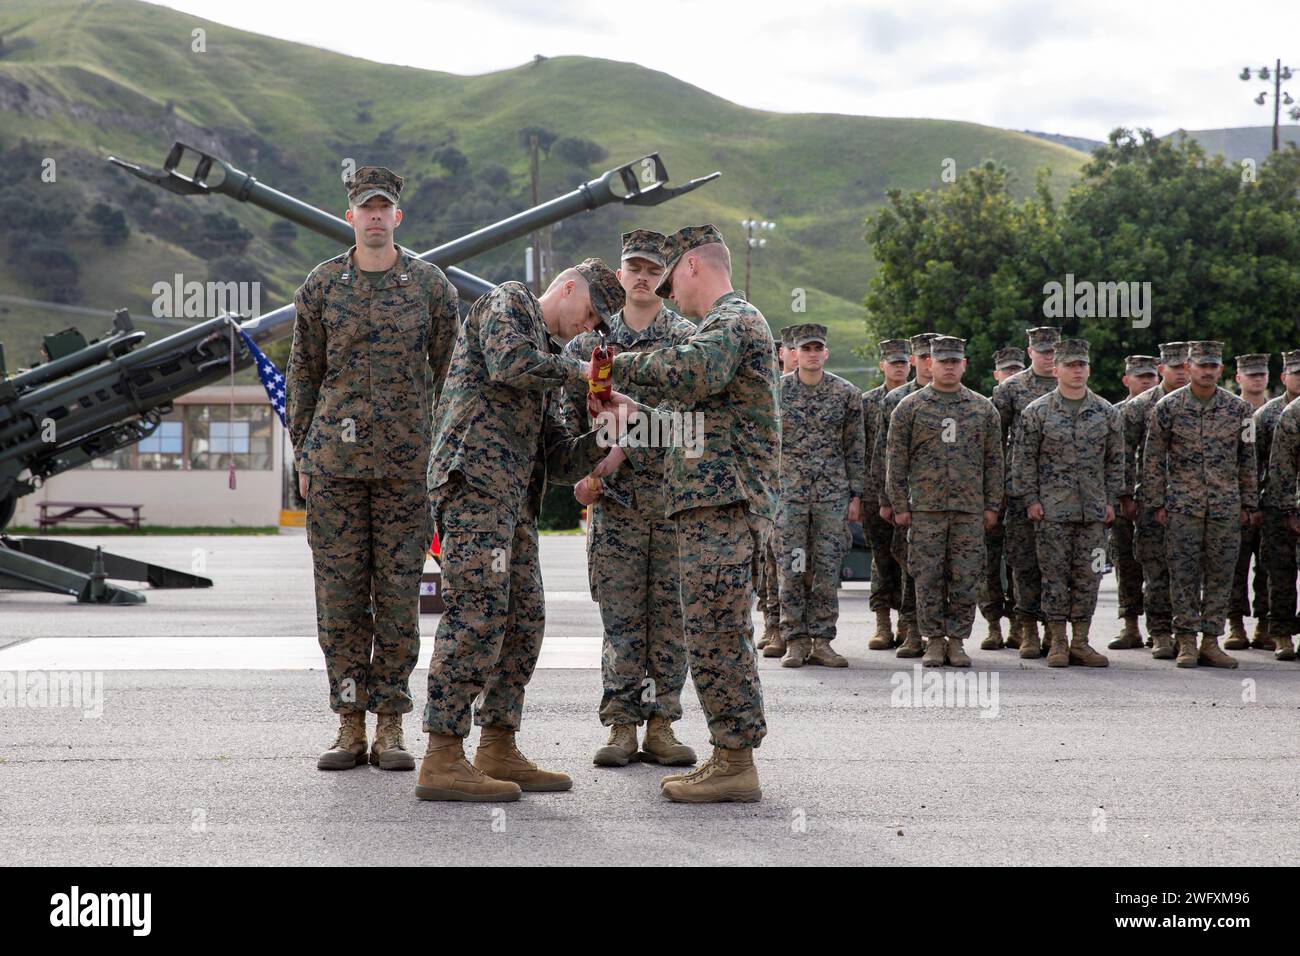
<point x="545" y="138"/>
<point x="50" y="266"/>
<point x="579" y="152"/>
<point x="111" y="222"/>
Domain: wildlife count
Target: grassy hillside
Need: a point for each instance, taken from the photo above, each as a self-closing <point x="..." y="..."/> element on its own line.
<point x="80" y="80"/>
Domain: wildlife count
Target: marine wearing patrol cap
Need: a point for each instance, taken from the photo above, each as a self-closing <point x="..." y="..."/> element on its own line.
<point x="1291" y="361"/>
<point x="1140" y="365"/>
<point x="895" y="350"/>
<point x="801" y="335"/>
<point x="607" y="296"/>
<point x="1205" y="353"/>
<point x="921" y="343"/>
<point x="678" y="244"/>
<point x="1173" y="353"/>
<point x="644" y="244"/>
<point x="786" y="334"/>
<point x="1072" y="350"/>
<point x="946" y="347"/>
<point x="1253" y="364"/>
<point x="1043" y="338"/>
<point x="370" y="181"/>
<point x="1010" y="357"/>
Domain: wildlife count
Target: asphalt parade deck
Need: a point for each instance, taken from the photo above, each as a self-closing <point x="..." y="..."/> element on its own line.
<point x="202" y="749"/>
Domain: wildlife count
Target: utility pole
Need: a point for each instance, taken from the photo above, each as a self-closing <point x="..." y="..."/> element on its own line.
<point x="537" y="242"/>
<point x="1280" y="97"/>
<point x="752" y="243"/>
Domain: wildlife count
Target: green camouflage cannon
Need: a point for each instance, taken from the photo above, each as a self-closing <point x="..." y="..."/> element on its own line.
<point x="90" y="399"/>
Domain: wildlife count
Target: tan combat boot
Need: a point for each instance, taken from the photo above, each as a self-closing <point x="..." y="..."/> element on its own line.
<point x="729" y="776"/>
<point x="936" y="652"/>
<point x="1186" y="650"/>
<point x="1212" y="654"/>
<point x="1262" y="639"/>
<point x="389" y="752"/>
<point x="1081" y="651"/>
<point x="1129" y="637"/>
<point x="822" y="653"/>
<point x="883" y="639"/>
<point x="911" y="646"/>
<point x="994" y="640"/>
<point x="499" y="758"/>
<point x="661" y="745"/>
<point x="1029" y="646"/>
<point x="796" y="652"/>
<point x="1237" y="640"/>
<point x="1162" y="647"/>
<point x="771" y="630"/>
<point x="1058" y="654"/>
<point x="1014" y="632"/>
<point x="955" y="654"/>
<point x="775" y="647"/>
<point x="445" y="774"/>
<point x="619" y="749"/>
<point x="349" y="748"/>
<point x="1282" y="649"/>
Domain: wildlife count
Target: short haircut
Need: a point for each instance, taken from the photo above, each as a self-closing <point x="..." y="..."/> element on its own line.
<point x="715" y="253"/>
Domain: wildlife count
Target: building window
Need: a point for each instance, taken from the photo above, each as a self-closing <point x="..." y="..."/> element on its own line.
<point x="162" y="451"/>
<point x="214" y="437"/>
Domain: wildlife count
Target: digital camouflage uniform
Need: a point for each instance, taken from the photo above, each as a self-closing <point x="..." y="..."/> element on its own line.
<point x="500" y="434"/>
<point x="1070" y="460"/>
<point x="632" y="552"/>
<point x="997" y="595"/>
<point x="944" y="466"/>
<point x="1278" y="502"/>
<point x="1200" y="465"/>
<point x="768" y="585"/>
<point x="822" y="464"/>
<point x="368" y="358"/>
<point x="1243" y="603"/>
<point x="1010" y="399"/>
<point x="724" y="500"/>
<point x="1148" y="534"/>
<point x="1128" y="569"/>
<point x="886" y="575"/>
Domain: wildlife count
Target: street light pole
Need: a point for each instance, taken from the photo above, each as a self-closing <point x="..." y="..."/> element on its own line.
<point x="1280" y="97"/>
<point x="752" y="242"/>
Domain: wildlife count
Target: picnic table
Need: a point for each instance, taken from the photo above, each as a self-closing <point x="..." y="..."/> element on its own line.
<point x="89" y="512"/>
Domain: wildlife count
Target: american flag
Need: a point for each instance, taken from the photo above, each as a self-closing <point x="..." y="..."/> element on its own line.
<point x="272" y="378"/>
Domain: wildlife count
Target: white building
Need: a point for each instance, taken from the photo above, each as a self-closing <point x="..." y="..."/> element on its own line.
<point x="181" y="473"/>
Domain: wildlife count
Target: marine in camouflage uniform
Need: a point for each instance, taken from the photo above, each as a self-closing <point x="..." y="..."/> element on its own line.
<point x="1277" y="441"/>
<point x="994" y="601"/>
<point x="499" y="436"/>
<point x="1010" y="399"/>
<point x="1199" y="471"/>
<point x="1069" y="473"/>
<point x="769" y="584"/>
<point x="723" y="501"/>
<point x="631" y="545"/>
<point x="908" y="632"/>
<point x="1141" y="372"/>
<point x="945" y="483"/>
<point x="1252" y="380"/>
<point x="823" y="461"/>
<point x="370" y="351"/>
<point x="886" y="574"/>
<point x="1149" y="534"/>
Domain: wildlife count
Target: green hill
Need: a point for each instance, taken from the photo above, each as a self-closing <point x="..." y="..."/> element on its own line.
<point x="80" y="80"/>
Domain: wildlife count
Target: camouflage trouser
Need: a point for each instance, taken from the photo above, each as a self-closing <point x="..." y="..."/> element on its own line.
<point x="1278" y="554"/>
<point x="491" y="633"/>
<point x="1202" y="554"/>
<point x="946" y="556"/>
<point x="632" y="561"/>
<point x="907" y="602"/>
<point x="886" y="575"/>
<point x="1022" y="554"/>
<point x="718" y="549"/>
<point x="1070" y="556"/>
<point x="368" y="539"/>
<point x="811" y="541"/>
<point x="1149" y="547"/>
<point x="993" y="592"/>
<point x="769" y="586"/>
<point x="1128" y="570"/>
<point x="1240" y="606"/>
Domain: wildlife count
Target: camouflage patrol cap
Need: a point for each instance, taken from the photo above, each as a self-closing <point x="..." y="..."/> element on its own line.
<point x="801" y="335"/>
<point x="921" y="343"/>
<point x="1291" y="362"/>
<point x="678" y="244"/>
<point x="1009" y="357"/>
<point x="1252" y="364"/>
<point x="1072" y="350"/>
<point x="644" y="244"/>
<point x="947" y="347"/>
<point x="607" y="295"/>
<point x="370" y="181"/>
<point x="1205" y="353"/>
<point x="895" y="350"/>
<point x="785" y="335"/>
<point x="1043" y="338"/>
<point x="1141" y="365"/>
<point x="1173" y="353"/>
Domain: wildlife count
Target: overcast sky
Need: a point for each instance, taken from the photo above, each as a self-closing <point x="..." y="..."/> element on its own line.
<point x="1079" y="68"/>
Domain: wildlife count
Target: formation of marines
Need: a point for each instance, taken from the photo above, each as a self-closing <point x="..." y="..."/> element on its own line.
<point x="718" y="465"/>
